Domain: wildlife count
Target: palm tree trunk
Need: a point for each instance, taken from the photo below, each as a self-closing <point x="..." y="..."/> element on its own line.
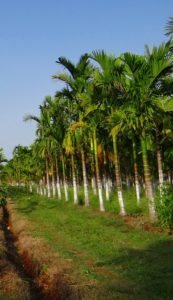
<point x="169" y="177"/>
<point x="37" y="189"/>
<point x="53" y="180"/>
<point x="99" y="185"/>
<point x="41" y="187"/>
<point x="75" y="194"/>
<point x="106" y="180"/>
<point x="30" y="187"/>
<point x="85" y="182"/>
<point x="128" y="183"/>
<point x="45" y="191"/>
<point x="94" y="185"/>
<point x="137" y="185"/>
<point x="57" y="179"/>
<point x="64" y="179"/>
<point x="93" y="179"/>
<point x="47" y="178"/>
<point x="107" y="189"/>
<point x="159" y="165"/>
<point x="147" y="178"/>
<point x="118" y="177"/>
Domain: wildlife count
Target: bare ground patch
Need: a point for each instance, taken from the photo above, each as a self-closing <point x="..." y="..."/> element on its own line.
<point x="11" y="284"/>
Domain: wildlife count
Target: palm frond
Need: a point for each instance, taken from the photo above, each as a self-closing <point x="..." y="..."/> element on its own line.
<point x="82" y="64"/>
<point x="65" y="92"/>
<point x="67" y="143"/>
<point x="133" y="63"/>
<point x="31" y="118"/>
<point x="165" y="103"/>
<point x="169" y="27"/>
<point x="77" y="125"/>
<point x="106" y="61"/>
<point x="63" y="77"/>
<point x="67" y="64"/>
<point x="48" y="101"/>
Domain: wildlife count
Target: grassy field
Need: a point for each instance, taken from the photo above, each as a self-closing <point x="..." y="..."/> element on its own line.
<point x="120" y="256"/>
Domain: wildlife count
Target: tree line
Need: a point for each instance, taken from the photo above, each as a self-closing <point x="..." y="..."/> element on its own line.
<point x="109" y="126"/>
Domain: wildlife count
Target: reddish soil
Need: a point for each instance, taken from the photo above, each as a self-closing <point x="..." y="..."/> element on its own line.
<point x="15" y="281"/>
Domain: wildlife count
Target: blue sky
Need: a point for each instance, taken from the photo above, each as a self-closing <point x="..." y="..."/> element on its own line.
<point x="34" y="33"/>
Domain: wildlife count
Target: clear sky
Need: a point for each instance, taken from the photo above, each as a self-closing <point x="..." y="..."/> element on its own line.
<point x="34" y="33"/>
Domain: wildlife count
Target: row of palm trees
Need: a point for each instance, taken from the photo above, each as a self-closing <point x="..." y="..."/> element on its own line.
<point x="112" y="122"/>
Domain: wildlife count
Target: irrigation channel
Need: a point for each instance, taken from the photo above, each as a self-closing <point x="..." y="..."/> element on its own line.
<point x="13" y="260"/>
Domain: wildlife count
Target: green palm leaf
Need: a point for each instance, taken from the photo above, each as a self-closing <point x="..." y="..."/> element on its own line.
<point x="169" y="27"/>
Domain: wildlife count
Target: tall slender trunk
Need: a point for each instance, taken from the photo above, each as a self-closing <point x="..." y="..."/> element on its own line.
<point x="41" y="187"/>
<point x="85" y="182"/>
<point x="106" y="179"/>
<point x="128" y="183"/>
<point x="107" y="189"/>
<point x="75" y="194"/>
<point x="30" y="186"/>
<point x="47" y="178"/>
<point x="99" y="185"/>
<point x="93" y="179"/>
<point x="64" y="179"/>
<point x="169" y="177"/>
<point x="118" y="177"/>
<point x="57" y="179"/>
<point x="94" y="185"/>
<point x="137" y="185"/>
<point x="148" y="182"/>
<point x="37" y="189"/>
<point x="53" y="180"/>
<point x="44" y="185"/>
<point x="159" y="165"/>
<point x="45" y="191"/>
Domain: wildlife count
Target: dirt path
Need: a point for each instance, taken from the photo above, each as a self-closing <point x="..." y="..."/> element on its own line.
<point x="15" y="282"/>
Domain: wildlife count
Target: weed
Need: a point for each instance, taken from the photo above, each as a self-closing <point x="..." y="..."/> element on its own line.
<point x="165" y="207"/>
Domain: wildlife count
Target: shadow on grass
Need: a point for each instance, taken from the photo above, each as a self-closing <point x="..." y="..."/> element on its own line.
<point x="30" y="207"/>
<point x="150" y="271"/>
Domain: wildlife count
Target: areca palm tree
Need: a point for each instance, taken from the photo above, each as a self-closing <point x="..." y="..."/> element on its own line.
<point x="98" y="176"/>
<point x="22" y="164"/>
<point x="78" y="129"/>
<point x="43" y="132"/>
<point x="59" y="125"/>
<point x="76" y="80"/>
<point x="109" y="77"/>
<point x="69" y="148"/>
<point x="143" y="75"/>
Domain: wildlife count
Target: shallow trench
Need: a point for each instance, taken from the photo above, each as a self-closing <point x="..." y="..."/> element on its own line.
<point x="13" y="258"/>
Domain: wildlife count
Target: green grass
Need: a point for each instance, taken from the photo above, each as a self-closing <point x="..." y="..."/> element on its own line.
<point x="127" y="262"/>
<point x="113" y="206"/>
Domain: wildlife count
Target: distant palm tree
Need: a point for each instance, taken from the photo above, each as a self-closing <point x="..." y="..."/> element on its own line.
<point x="43" y="133"/>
